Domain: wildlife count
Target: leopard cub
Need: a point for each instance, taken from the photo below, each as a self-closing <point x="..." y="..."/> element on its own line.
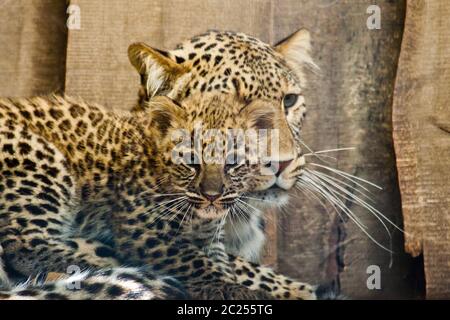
<point x="82" y="186"/>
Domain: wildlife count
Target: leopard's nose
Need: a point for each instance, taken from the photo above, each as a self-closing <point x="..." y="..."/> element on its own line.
<point x="211" y="197"/>
<point x="211" y="185"/>
<point x="282" y="165"/>
<point x="211" y="192"/>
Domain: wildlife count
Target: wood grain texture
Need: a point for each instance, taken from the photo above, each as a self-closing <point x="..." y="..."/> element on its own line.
<point x="97" y="63"/>
<point x="349" y="105"/>
<point x="33" y="39"/>
<point x="421" y="119"/>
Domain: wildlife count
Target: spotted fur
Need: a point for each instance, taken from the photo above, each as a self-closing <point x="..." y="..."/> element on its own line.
<point x="107" y="284"/>
<point x="83" y="186"/>
<point x="237" y="64"/>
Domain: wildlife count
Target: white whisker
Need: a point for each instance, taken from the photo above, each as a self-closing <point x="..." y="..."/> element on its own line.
<point x="341" y="182"/>
<point x="330" y="150"/>
<point x="364" y="204"/>
<point x="312" y="151"/>
<point x="347" y="175"/>
<point x="334" y="193"/>
<point x="336" y="182"/>
<point x="184" y="216"/>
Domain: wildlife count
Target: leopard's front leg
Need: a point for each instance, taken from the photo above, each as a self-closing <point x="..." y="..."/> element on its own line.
<point x="205" y="271"/>
<point x="278" y="286"/>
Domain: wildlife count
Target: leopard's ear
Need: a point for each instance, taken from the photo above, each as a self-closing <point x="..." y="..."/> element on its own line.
<point x="165" y="113"/>
<point x="158" y="71"/>
<point x="296" y="50"/>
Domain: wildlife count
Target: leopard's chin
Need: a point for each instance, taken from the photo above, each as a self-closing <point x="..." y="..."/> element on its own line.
<point x="272" y="197"/>
<point x="211" y="212"/>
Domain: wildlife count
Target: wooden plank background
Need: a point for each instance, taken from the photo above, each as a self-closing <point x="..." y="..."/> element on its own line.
<point x="422" y="138"/>
<point x="33" y="41"/>
<point x="350" y="103"/>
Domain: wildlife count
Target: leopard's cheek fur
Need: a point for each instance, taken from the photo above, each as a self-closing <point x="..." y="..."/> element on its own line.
<point x="295" y="117"/>
<point x="251" y="178"/>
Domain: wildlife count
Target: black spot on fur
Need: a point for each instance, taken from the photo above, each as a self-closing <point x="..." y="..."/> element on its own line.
<point x="37" y="242"/>
<point x="15" y="208"/>
<point x="11" y="197"/>
<point x="206" y="57"/>
<point x="198" y="263"/>
<point x="114" y="291"/>
<point x="93" y="288"/>
<point x="199" y="45"/>
<point x="265" y="279"/>
<point x="53" y="232"/>
<point x="10" y="183"/>
<point x="25" y="114"/>
<point x="179" y="59"/>
<point x="247" y="283"/>
<point x="47" y="197"/>
<point x="264" y="287"/>
<point x="23" y="222"/>
<point x="43" y="179"/>
<point x="71" y="244"/>
<point x="137" y="234"/>
<point x="28" y="292"/>
<point x="210" y="46"/>
<point x="56" y="114"/>
<point x="217" y="60"/>
<point x="151" y="243"/>
<point x="39" y="222"/>
<point x="34" y="210"/>
<point x="29" y="183"/>
<point x="104" y="252"/>
<point x="49" y="207"/>
<point x="25" y="191"/>
<point x="24" y="148"/>
<point x="55" y="296"/>
<point x="172" y="251"/>
<point x="157" y="254"/>
<point x="12" y="163"/>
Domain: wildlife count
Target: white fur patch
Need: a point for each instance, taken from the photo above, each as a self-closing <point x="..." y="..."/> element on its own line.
<point x="156" y="76"/>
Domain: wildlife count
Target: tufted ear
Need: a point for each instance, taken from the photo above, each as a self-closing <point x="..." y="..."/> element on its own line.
<point x="165" y="113"/>
<point x="296" y="50"/>
<point x="158" y="71"/>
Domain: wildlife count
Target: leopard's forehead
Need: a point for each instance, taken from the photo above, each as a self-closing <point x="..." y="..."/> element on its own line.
<point x="229" y="62"/>
<point x="214" y="111"/>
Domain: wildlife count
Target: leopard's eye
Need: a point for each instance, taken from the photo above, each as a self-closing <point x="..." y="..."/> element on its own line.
<point x="290" y="100"/>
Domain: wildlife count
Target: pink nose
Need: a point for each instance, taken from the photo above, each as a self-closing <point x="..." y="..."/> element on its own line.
<point x="282" y="165"/>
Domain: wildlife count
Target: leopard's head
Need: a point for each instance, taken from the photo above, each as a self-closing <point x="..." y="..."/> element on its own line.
<point x="232" y="64"/>
<point x="219" y="153"/>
